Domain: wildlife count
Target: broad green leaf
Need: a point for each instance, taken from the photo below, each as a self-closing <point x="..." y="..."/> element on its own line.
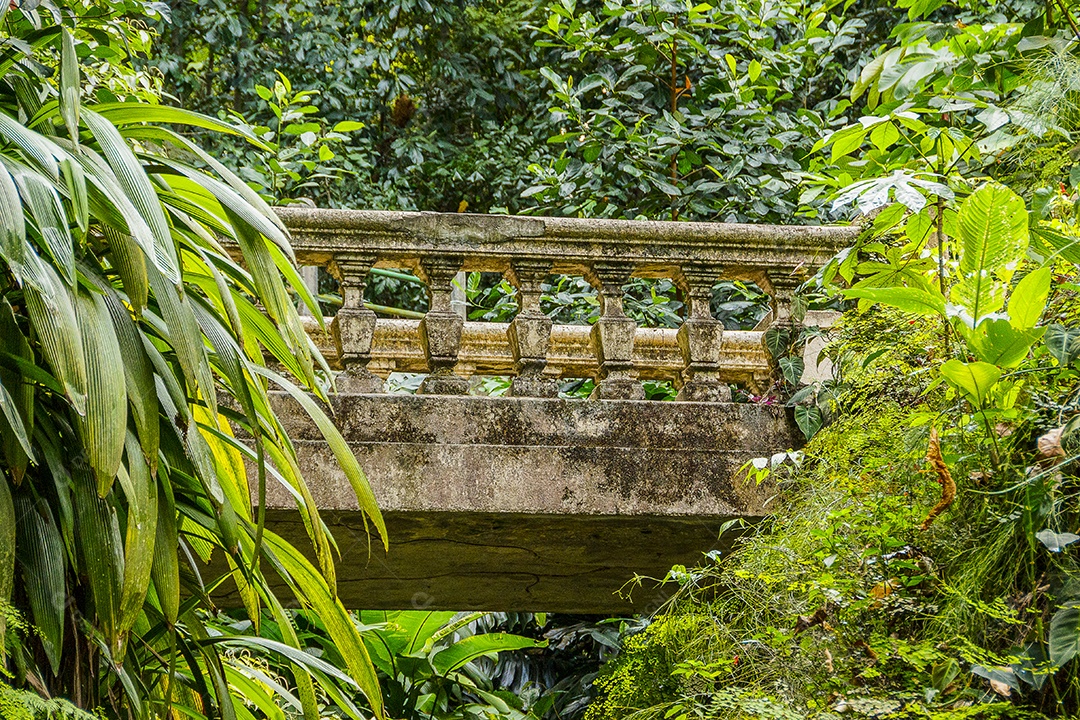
<point x="1065" y="633"/>
<point x="754" y="70"/>
<point x="1063" y="343"/>
<point x="468" y="649"/>
<point x="993" y="231"/>
<point x="993" y="225"/>
<point x="913" y="300"/>
<point x="791" y="367"/>
<point x="103" y="428"/>
<point x="809" y="420"/>
<point x="777" y="340"/>
<point x="846" y="141"/>
<point x="974" y="379"/>
<point x="884" y="135"/>
<point x="1028" y="299"/>
<point x="977" y="296"/>
<point x="40" y="552"/>
<point x="999" y="343"/>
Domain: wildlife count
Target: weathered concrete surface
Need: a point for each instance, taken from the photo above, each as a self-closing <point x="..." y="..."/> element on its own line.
<point x="529" y="504"/>
<point x="487" y="242"/>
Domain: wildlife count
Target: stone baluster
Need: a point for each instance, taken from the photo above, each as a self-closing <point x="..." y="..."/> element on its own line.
<point x="613" y="335"/>
<point x="700" y="339"/>
<point x="440" y="330"/>
<point x="530" y="331"/>
<point x="784" y="281"/>
<point x="354" y="325"/>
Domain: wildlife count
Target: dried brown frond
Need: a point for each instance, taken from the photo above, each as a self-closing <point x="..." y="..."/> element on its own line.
<point x="944" y="478"/>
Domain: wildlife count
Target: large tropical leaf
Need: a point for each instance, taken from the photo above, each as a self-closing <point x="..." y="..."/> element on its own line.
<point x="993" y="223"/>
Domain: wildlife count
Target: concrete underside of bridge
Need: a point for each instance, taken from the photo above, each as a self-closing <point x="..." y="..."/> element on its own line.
<point x="521" y="504"/>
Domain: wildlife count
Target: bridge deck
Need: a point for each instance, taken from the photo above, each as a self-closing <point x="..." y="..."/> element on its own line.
<point x="530" y="504"/>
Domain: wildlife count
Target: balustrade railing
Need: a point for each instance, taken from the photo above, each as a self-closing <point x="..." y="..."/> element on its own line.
<point x="701" y="357"/>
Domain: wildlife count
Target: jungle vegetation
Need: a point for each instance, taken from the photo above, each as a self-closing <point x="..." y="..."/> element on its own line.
<point x="921" y="560"/>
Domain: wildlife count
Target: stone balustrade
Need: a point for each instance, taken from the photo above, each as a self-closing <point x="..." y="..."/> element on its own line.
<point x="700" y="357"/>
<point x="530" y="502"/>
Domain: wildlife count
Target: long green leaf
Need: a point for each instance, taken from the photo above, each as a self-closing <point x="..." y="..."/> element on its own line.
<point x="12" y="225"/>
<point x="69" y="84"/>
<point x="103" y="427"/>
<point x="339" y="447"/>
<point x="40" y="551"/>
<point x="102" y="552"/>
<point x="141" y="492"/>
<point x="468" y="649"/>
<point x="138" y="379"/>
<point x="130" y="113"/>
<point x="75" y="184"/>
<point x="38" y="151"/>
<point x="165" y="570"/>
<point x="20" y="392"/>
<point x="43" y="204"/>
<point x="183" y="333"/>
<point x="133" y="179"/>
<point x="130" y="262"/>
<point x="310" y="589"/>
<point x="52" y="313"/>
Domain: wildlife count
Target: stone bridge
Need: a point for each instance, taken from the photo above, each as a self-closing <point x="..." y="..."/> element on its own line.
<point x="529" y="501"/>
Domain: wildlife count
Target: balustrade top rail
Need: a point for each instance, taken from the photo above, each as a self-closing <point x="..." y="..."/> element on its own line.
<point x="488" y="242"/>
<point x="527" y="250"/>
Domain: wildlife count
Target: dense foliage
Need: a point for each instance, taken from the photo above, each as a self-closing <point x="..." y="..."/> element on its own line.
<point x="132" y="346"/>
<point x="921" y="561"/>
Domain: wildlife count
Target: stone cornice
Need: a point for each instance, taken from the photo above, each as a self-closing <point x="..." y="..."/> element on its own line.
<point x="488" y="242"/>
